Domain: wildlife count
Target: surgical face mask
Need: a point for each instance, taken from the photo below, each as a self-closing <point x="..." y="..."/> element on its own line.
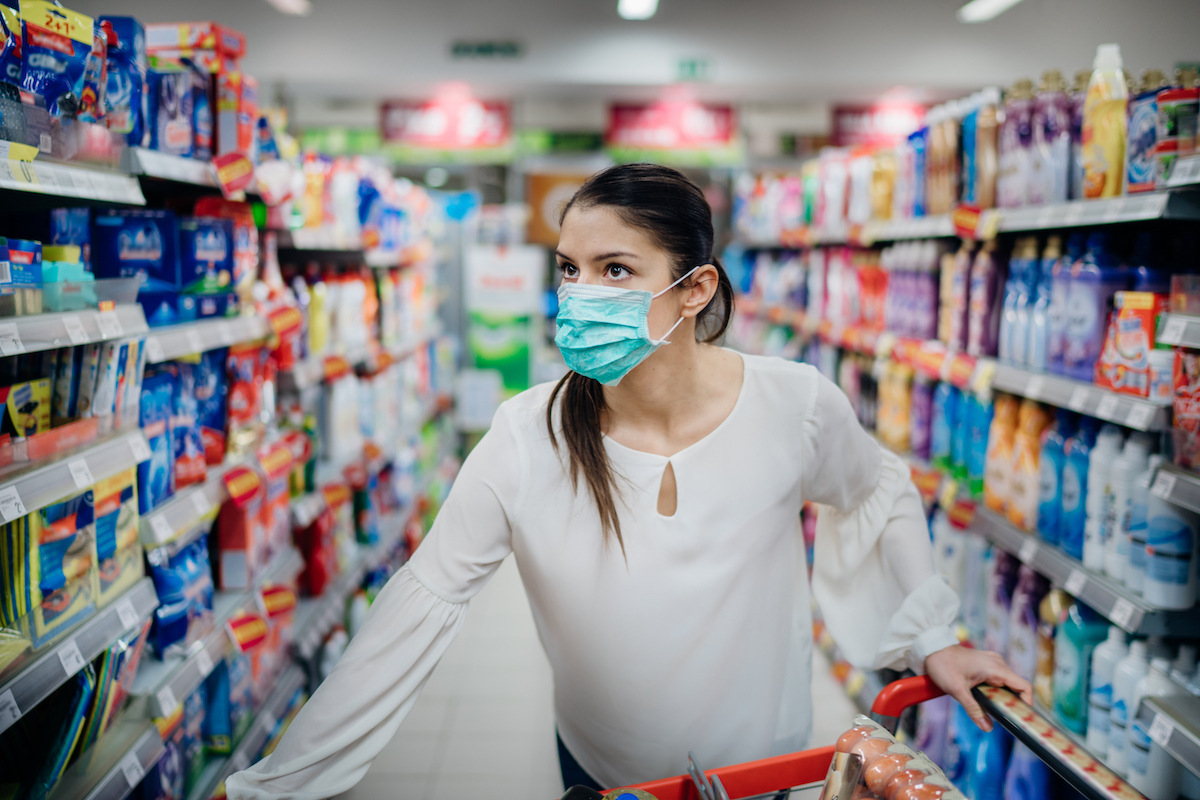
<point x="602" y="330"/>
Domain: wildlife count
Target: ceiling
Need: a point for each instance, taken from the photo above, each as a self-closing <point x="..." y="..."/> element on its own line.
<point x="782" y="51"/>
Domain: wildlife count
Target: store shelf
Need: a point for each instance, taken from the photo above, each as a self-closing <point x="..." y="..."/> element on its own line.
<point x="34" y="676"/>
<point x="175" y="341"/>
<point x="187" y="509"/>
<point x="24" y="488"/>
<point x="1107" y="597"/>
<point x="1083" y="397"/>
<point x="1181" y="330"/>
<point x="1177" y="485"/>
<point x="1174" y="723"/>
<point x="114" y="766"/>
<point x="1086" y="213"/>
<point x="48" y="331"/>
<point x="247" y="750"/>
<point x="915" y="228"/>
<point x="1186" y="172"/>
<point x="164" y="166"/>
<point x="44" y="177"/>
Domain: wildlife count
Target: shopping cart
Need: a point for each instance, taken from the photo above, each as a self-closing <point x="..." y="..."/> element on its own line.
<point x="769" y="777"/>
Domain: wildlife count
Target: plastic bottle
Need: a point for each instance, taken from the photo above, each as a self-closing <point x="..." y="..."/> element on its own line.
<point x="933" y="729"/>
<point x="984" y="302"/>
<point x="1023" y="622"/>
<point x="1142" y="132"/>
<point x="1018" y="296"/>
<point x="1184" y="665"/>
<point x="959" y="436"/>
<point x="1028" y="776"/>
<point x="1139" y="526"/>
<point x="945" y="418"/>
<point x="999" y="460"/>
<point x="1152" y="770"/>
<point x="1129" y="671"/>
<point x="960" y="295"/>
<point x="1053" y="459"/>
<point x="1015" y="144"/>
<point x="1032" y="419"/>
<point x="979" y="559"/>
<point x="1104" y="125"/>
<point x="1078" y="636"/>
<point x="1001" y="584"/>
<point x="1073" y="523"/>
<point x="992" y="752"/>
<point x="1050" y="154"/>
<point x="1100" y="461"/>
<point x="1122" y="479"/>
<point x="1060" y="290"/>
<point x="1104" y="665"/>
<point x="1171" y="555"/>
<point x="1037" y="353"/>
<point x="1095" y="279"/>
<point x="1078" y="98"/>
<point x="960" y="747"/>
<point x="979" y="419"/>
<point x="987" y="156"/>
<point x="1051" y="611"/>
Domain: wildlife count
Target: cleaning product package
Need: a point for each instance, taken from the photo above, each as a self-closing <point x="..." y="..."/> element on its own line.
<point x="169" y="107"/>
<point x="1050" y="154"/>
<point x="155" y="478"/>
<point x="1016" y="147"/>
<point x="125" y="93"/>
<point x="55" y="45"/>
<point x="1142" y="133"/>
<point x="1124" y="362"/>
<point x="206" y="254"/>
<point x="184" y="583"/>
<point x="95" y="76"/>
<point x="112" y="502"/>
<point x="1103" y="136"/>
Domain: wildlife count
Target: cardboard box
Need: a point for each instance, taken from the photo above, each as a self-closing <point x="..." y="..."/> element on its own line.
<point x="162" y="36"/>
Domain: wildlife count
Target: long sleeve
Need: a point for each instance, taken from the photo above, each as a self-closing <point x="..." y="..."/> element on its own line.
<point x="333" y="740"/>
<point x="873" y="573"/>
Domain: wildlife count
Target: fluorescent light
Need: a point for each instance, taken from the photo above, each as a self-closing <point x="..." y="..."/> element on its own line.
<point x="983" y="10"/>
<point x="637" y="9"/>
<point x="299" y="8"/>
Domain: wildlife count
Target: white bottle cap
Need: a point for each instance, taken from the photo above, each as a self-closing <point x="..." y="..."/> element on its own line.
<point x="1108" y="57"/>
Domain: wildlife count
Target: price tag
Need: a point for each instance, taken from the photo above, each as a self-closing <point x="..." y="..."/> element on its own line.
<point x="10" y="340"/>
<point x="11" y="507"/>
<point x="110" y="325"/>
<point x="1079" y="398"/>
<point x="139" y="448"/>
<point x="1172" y="332"/>
<point x="225" y="334"/>
<point x="127" y="614"/>
<point x="1139" y="416"/>
<point x="1160" y="730"/>
<point x="268" y="721"/>
<point x="1122" y="612"/>
<point x="162" y="529"/>
<point x="200" y="503"/>
<point x="71" y="658"/>
<point x="1075" y="582"/>
<point x="1033" y="389"/>
<point x="74" y="327"/>
<point x="80" y="473"/>
<point x="9" y="712"/>
<point x="1107" y="407"/>
<point x="1164" y="484"/>
<point x="1028" y="551"/>
<point x="131" y="766"/>
<point x="204" y="662"/>
<point x="239" y="761"/>
<point x="195" y="342"/>
<point x="166" y="701"/>
<point x="154" y="350"/>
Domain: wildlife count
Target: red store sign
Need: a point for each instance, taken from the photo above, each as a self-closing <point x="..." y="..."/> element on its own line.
<point x="879" y="124"/>
<point x="451" y="121"/>
<point x="669" y="124"/>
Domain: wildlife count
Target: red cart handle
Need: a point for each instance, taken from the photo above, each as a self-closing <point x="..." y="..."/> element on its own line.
<point x="899" y="695"/>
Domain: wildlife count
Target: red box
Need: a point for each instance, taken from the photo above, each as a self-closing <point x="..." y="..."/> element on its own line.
<point x="187" y="36"/>
<point x="242" y="544"/>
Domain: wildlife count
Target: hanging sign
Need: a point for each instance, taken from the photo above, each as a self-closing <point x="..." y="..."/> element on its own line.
<point x="668" y="125"/>
<point x="883" y="124"/>
<point x="451" y="121"/>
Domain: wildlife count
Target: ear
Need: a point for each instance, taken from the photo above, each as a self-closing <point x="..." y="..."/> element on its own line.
<point x="699" y="288"/>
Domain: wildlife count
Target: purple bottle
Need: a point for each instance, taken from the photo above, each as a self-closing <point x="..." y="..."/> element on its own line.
<point x="1078" y="96"/>
<point x="921" y="416"/>
<point x="985" y="302"/>
<point x="1001" y="584"/>
<point x="1023" y="622"/>
<point x="1015" y="146"/>
<point x="1050" y="166"/>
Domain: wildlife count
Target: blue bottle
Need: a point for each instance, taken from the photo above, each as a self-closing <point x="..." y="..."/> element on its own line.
<point x="1095" y="279"/>
<point x="945" y="419"/>
<point x="1037" y="354"/>
<point x="961" y="744"/>
<point x="979" y="422"/>
<point x="990" y="764"/>
<point x="1013" y="289"/>
<point x="1028" y="776"/>
<point x="1074" y="487"/>
<point x="959" y="437"/>
<point x="1052" y="460"/>
<point x="1060" y="290"/>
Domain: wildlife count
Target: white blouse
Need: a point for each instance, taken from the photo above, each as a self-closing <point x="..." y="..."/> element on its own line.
<point x="699" y="639"/>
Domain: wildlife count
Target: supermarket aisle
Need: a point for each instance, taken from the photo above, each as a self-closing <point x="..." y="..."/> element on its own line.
<point x="484" y="726"/>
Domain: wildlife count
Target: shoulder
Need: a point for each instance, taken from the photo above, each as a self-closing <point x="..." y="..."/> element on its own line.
<point x="525" y="413"/>
<point x="779" y="374"/>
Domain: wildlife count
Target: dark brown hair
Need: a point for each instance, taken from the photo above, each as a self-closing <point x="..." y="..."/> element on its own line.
<point x="673" y="210"/>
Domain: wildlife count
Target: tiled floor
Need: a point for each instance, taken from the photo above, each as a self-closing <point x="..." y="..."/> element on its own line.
<point x="484" y="725"/>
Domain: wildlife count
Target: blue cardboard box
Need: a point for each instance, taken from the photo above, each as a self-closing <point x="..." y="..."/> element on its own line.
<point x="155" y="476"/>
<point x="206" y="254"/>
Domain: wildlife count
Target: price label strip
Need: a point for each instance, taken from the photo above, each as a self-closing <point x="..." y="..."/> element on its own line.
<point x="200" y="502"/>
<point x="70" y="657"/>
<point x="1172" y="332"/>
<point x="127" y="614"/>
<point x="1160" y="730"/>
<point x="154" y="350"/>
<point x="195" y="342"/>
<point x="1033" y="389"/>
<point x="1028" y="551"/>
<point x="11" y="507"/>
<point x="1107" y="408"/>
<point x="166" y="701"/>
<point x="162" y="529"/>
<point x="131" y="767"/>
<point x="110" y="325"/>
<point x="1164" y="484"/>
<point x="9" y="711"/>
<point x="1078" y="400"/>
<point x="1076" y="581"/>
<point x="74" y="328"/>
<point x="10" y="340"/>
<point x="139" y="448"/>
<point x="1139" y="416"/>
<point x="204" y="662"/>
<point x="1122" y="613"/>
<point x="80" y="473"/>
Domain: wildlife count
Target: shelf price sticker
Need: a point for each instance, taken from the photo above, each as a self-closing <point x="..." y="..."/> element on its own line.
<point x="1107" y="408"/>
<point x="10" y="340"/>
<point x="204" y="662"/>
<point x="200" y="502"/>
<point x="80" y="473"/>
<point x="195" y="342"/>
<point x="139" y="448"/>
<point x="1028" y="551"/>
<point x="110" y="324"/>
<point x="131" y="767"/>
<point x="1139" y="416"/>
<point x="1033" y="389"/>
<point x="9" y="711"/>
<point x="154" y="350"/>
<point x="1078" y="400"/>
<point x="74" y="328"/>
<point x="167" y="703"/>
<point x="11" y="507"/>
<point x="1122" y="613"/>
<point x="1076" y="581"/>
<point x="70" y="657"/>
<point x="1164" y="484"/>
<point x="127" y="614"/>
<point x="162" y="529"/>
<point x="1172" y="332"/>
<point x="1160" y="730"/>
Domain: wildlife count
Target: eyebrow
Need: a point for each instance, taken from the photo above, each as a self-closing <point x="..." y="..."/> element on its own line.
<point x="602" y="257"/>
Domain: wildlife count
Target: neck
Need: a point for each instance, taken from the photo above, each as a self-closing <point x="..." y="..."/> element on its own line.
<point x="664" y="387"/>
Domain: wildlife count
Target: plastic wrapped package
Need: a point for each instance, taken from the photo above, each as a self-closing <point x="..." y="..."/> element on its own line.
<point x="183" y="579"/>
<point x="868" y="762"/>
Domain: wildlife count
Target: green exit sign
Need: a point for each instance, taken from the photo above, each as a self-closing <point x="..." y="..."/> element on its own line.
<point x="693" y="69"/>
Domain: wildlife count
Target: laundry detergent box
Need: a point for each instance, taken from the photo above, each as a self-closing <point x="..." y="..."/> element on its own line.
<point x="1124" y="363"/>
<point x="206" y="254"/>
<point x="125" y="93"/>
<point x="169" y="106"/>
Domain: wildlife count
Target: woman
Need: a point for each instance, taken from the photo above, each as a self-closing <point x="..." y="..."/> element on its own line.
<point x="651" y="499"/>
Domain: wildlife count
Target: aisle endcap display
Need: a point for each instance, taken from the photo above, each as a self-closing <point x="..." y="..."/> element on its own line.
<point x="115" y="765"/>
<point x="48" y="331"/>
<point x="34" y="485"/>
<point x="1174" y="724"/>
<point x="1180" y="330"/>
<point x="1113" y="600"/>
<point x="32" y="682"/>
<point x="43" y="177"/>
<point x="165" y="166"/>
<point x="175" y="341"/>
<point x="1084" y="398"/>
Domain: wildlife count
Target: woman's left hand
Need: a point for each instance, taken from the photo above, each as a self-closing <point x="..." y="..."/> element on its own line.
<point x="957" y="669"/>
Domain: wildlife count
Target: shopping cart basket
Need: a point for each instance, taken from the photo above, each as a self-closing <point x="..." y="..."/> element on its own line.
<point x="770" y="776"/>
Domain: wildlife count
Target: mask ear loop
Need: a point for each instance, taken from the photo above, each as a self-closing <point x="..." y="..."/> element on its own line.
<point x="663" y="340"/>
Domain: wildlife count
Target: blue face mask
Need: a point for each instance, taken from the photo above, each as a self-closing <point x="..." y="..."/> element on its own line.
<point x="602" y="330"/>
